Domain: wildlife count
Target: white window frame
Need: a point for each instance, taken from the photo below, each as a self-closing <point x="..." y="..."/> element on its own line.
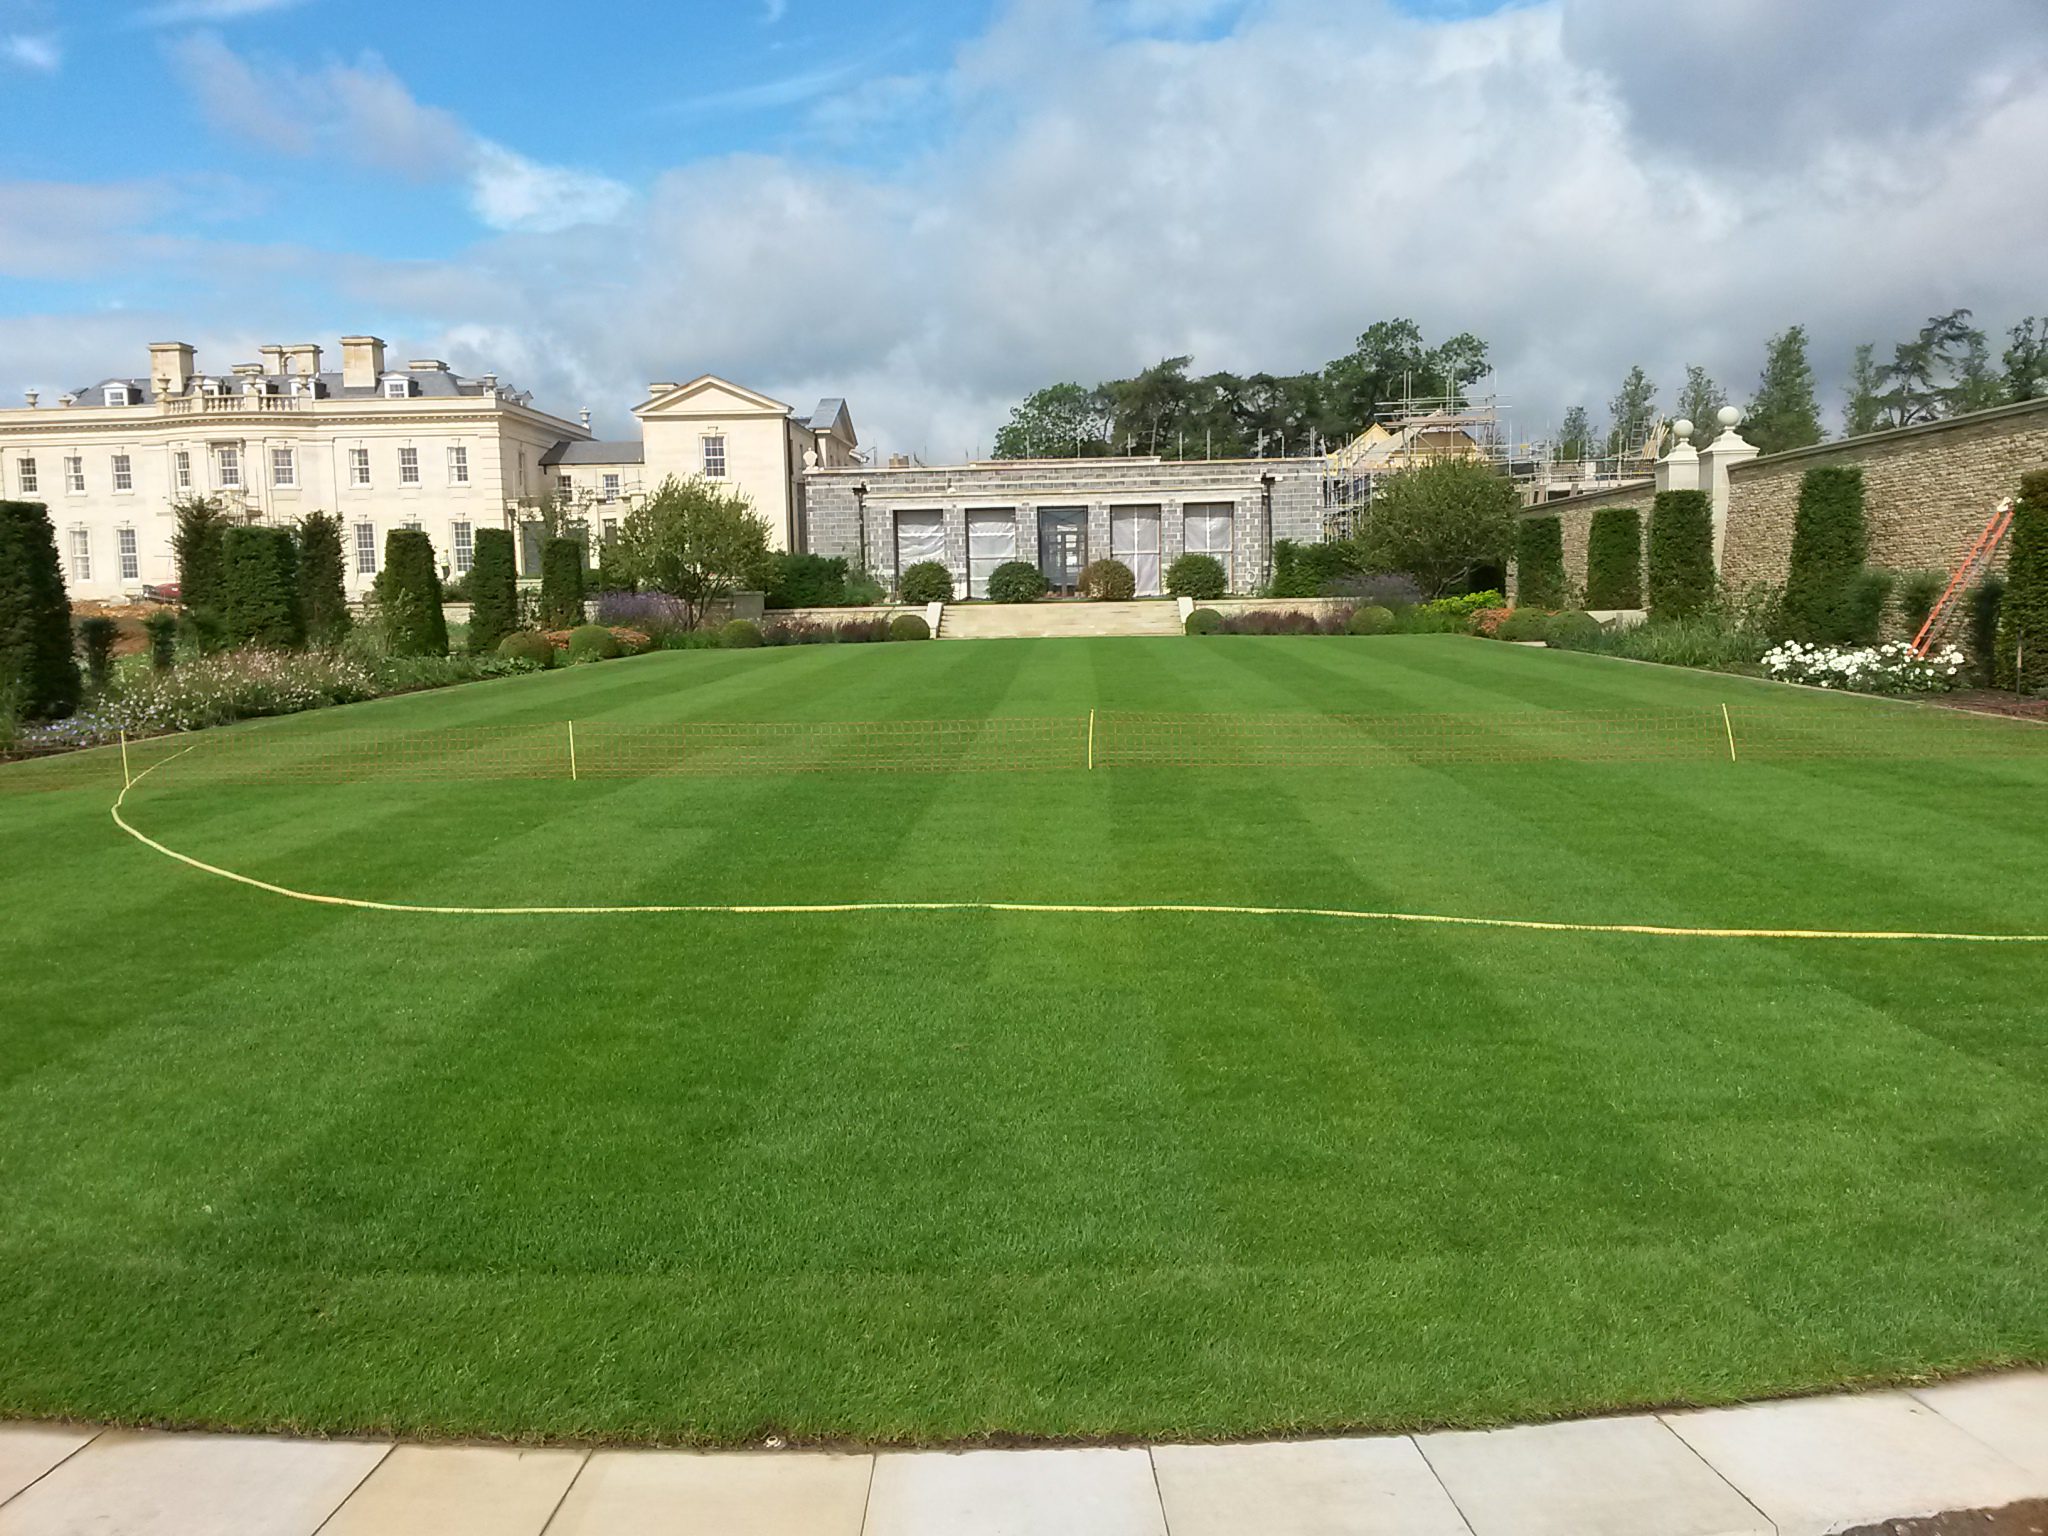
<point x="81" y="554"/>
<point x="124" y="472"/>
<point x="26" y="476"/>
<point x="611" y="488"/>
<point x="565" y="487"/>
<point x="458" y="464"/>
<point x="115" y="394"/>
<point x="461" y="547"/>
<point x="398" y="389"/>
<point x="284" y="469"/>
<point x="181" y="469"/>
<point x="408" y="465"/>
<point x="366" y="549"/>
<point x="610" y="529"/>
<point x="74" y="473"/>
<point x="129" y="551"/>
<point x="714" y="448"/>
<point x="1209" y="511"/>
<point x="227" y="463"/>
<point x="359" y="468"/>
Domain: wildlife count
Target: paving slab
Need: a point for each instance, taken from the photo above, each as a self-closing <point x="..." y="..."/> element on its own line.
<point x="1596" y="1477"/>
<point x="1015" y="1493"/>
<point x="1375" y="1487"/>
<point x="1826" y="1463"/>
<point x="458" y="1490"/>
<point x="27" y="1451"/>
<point x="682" y="1493"/>
<point x="2008" y="1413"/>
<point x="140" y="1484"/>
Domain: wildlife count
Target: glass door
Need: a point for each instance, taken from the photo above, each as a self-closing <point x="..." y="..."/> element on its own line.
<point x="1063" y="546"/>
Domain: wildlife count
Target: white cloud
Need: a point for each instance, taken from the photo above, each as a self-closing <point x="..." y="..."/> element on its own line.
<point x="185" y="12"/>
<point x="509" y="191"/>
<point x="772" y="11"/>
<point x="35" y="51"/>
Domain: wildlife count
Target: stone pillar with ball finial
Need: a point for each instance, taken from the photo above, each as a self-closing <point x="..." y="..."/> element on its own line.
<point x="1679" y="469"/>
<point x="1716" y="460"/>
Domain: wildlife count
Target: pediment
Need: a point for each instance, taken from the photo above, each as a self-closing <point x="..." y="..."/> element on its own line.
<point x="709" y="395"/>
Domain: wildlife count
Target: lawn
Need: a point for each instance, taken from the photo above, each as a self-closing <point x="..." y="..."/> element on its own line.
<point x="903" y="1176"/>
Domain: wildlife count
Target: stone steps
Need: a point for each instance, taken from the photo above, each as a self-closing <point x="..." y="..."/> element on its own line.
<point x="1054" y="617"/>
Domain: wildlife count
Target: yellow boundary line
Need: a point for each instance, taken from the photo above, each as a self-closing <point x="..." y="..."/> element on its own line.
<point x="1093" y="909"/>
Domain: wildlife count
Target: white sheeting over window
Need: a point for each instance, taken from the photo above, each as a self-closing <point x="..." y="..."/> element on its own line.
<point x="919" y="536"/>
<point x="1206" y="531"/>
<point x="1134" y="539"/>
<point x="991" y="541"/>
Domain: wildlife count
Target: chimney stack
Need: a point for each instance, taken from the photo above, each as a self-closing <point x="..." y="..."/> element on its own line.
<point x="170" y="365"/>
<point x="33" y="397"/>
<point x="303" y="359"/>
<point x="362" y="361"/>
<point x="273" y="358"/>
<point x="659" y="387"/>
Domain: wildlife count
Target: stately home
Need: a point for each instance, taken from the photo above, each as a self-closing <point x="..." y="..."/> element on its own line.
<point x="419" y="446"/>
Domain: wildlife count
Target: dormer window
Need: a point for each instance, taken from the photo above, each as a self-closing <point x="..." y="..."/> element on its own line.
<point x="209" y="388"/>
<point x="117" y="394"/>
<point x="398" y="389"/>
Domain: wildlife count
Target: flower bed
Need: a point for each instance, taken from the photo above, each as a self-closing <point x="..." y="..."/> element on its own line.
<point x="1892" y="668"/>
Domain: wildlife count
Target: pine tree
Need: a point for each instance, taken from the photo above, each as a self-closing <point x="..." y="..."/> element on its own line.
<point x="1701" y="400"/>
<point x="323" y="597"/>
<point x="1633" y="413"/>
<point x="493" y="590"/>
<point x="38" y="672"/>
<point x="1863" y="413"/>
<point x="2026" y="361"/>
<point x="1785" y="414"/>
<point x="1575" y="437"/>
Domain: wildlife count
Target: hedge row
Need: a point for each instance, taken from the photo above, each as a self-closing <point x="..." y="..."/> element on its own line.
<point x="1539" y="562"/>
<point x="1614" y="559"/>
<point x="1681" y="553"/>
<point x="2021" y="659"/>
<point x="1826" y="596"/>
<point x="38" y="672"/>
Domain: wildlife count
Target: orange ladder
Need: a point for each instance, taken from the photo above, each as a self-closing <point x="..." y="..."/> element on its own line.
<point x="1975" y="564"/>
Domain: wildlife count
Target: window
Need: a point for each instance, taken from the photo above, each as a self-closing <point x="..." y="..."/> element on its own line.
<point x="565" y="487"/>
<point x="1206" y="531"/>
<point x="611" y="487"/>
<point x="131" y="555"/>
<point x="28" y="477"/>
<point x="284" y="469"/>
<point x="209" y="388"/>
<point x="74" y="473"/>
<point x="117" y="394"/>
<point x="366" y="549"/>
<point x="458" y="465"/>
<point x="408" y="466"/>
<point x="398" y="389"/>
<point x="611" y="529"/>
<point x="714" y="458"/>
<point x="465" y="547"/>
<point x="181" y="469"/>
<point x="124" y="472"/>
<point x="229" y="462"/>
<point x="411" y="525"/>
<point x="81" y="555"/>
<point x="359" y="466"/>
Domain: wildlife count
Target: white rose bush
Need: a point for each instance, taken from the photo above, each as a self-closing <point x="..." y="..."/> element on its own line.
<point x="1890" y="668"/>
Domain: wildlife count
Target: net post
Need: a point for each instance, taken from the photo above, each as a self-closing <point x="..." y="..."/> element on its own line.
<point x="1728" y="721"/>
<point x="1091" y="741"/>
<point x="127" y="779"/>
<point x="572" y="751"/>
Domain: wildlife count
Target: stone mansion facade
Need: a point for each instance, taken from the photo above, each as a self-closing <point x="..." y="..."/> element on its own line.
<point x="418" y="446"/>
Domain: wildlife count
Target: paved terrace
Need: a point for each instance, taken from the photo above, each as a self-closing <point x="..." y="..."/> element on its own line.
<point x="1796" y="1468"/>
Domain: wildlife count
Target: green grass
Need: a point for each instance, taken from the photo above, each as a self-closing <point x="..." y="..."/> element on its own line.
<point x="899" y="1177"/>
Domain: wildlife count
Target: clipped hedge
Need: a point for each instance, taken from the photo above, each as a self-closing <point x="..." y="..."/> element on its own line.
<point x="1614" y="559"/>
<point x="1524" y="624"/>
<point x="1986" y="599"/>
<point x="260" y="576"/>
<point x="1370" y="620"/>
<point x="1204" y="621"/>
<point x="926" y="582"/>
<point x="1539" y="562"/>
<point x="96" y="636"/>
<point x="1307" y="570"/>
<point x="526" y="645"/>
<point x="197" y="547"/>
<point x="740" y="635"/>
<point x="807" y="581"/>
<point x="161" y="627"/>
<point x="593" y="642"/>
<point x="1016" y="581"/>
<point x="493" y="589"/>
<point x="38" y="673"/>
<point x="1571" y="629"/>
<point x="1200" y="577"/>
<point x="323" y="597"/>
<point x="561" y="583"/>
<point x="408" y="596"/>
<point x="1681" y="554"/>
<point x="1918" y="592"/>
<point x="1830" y="541"/>
<point x="909" y="626"/>
<point x="2022" y="651"/>
<point x="1108" y="581"/>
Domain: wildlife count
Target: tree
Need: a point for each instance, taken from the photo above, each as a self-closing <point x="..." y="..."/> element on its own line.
<point x="1633" y="413"/>
<point x="323" y="598"/>
<point x="1830" y="542"/>
<point x="2026" y="361"/>
<point x="1785" y="413"/>
<point x="196" y="545"/>
<point x="561" y="584"/>
<point x="550" y="517"/>
<point x="1863" y="413"/>
<point x="38" y="672"/>
<point x="1681" y="554"/>
<point x="1062" y="421"/>
<point x="408" y="596"/>
<point x="1940" y="373"/>
<point x="493" y="590"/>
<point x="1701" y="399"/>
<point x="1390" y="361"/>
<point x="2022" y="654"/>
<point x="696" y="542"/>
<point x="1152" y="410"/>
<point x="261" y="577"/>
<point x="1439" y="522"/>
<point x="1575" y="437"/>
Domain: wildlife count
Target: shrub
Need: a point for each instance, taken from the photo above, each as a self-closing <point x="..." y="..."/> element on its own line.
<point x="197" y="545"/>
<point x="1487" y="621"/>
<point x="528" y="646"/>
<point x="2022" y="647"/>
<point x="1986" y="599"/>
<point x="655" y="614"/>
<point x="96" y="636"/>
<point x="561" y="583"/>
<point x="593" y="642"/>
<point x="260" y="572"/>
<point x="1381" y="589"/>
<point x="408" y="596"/>
<point x="909" y="626"/>
<point x="1309" y="570"/>
<point x="1823" y="602"/>
<point x="1893" y="668"/>
<point x="160" y="625"/>
<point x="1204" y="621"/>
<point x="1869" y="593"/>
<point x="1614" y="559"/>
<point x="1681" y="553"/>
<point x="1266" y="621"/>
<point x="493" y="589"/>
<point x="235" y="685"/>
<point x="1443" y="522"/>
<point x="926" y="582"/>
<point x="1524" y="624"/>
<point x="863" y="591"/>
<point x="1918" y="592"/>
<point x="739" y="635"/>
<point x="697" y="542"/>
<point x="1370" y="620"/>
<point x="862" y="631"/>
<point x="807" y="581"/>
<point x="1197" y="576"/>
<point x="1464" y="606"/>
<point x="1572" y="630"/>
<point x="323" y="599"/>
<point x="38" y="672"/>
<point x="1108" y="581"/>
<point x="1016" y="581"/>
<point x="1539" y="561"/>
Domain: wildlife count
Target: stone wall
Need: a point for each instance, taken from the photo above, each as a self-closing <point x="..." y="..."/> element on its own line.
<point x="833" y="512"/>
<point x="1575" y="517"/>
<point x="1928" y="491"/>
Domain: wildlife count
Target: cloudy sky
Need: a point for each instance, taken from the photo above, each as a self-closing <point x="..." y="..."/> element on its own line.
<point x="934" y="206"/>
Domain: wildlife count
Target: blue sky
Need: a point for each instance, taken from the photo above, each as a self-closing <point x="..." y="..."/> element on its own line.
<point x="932" y="208"/>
